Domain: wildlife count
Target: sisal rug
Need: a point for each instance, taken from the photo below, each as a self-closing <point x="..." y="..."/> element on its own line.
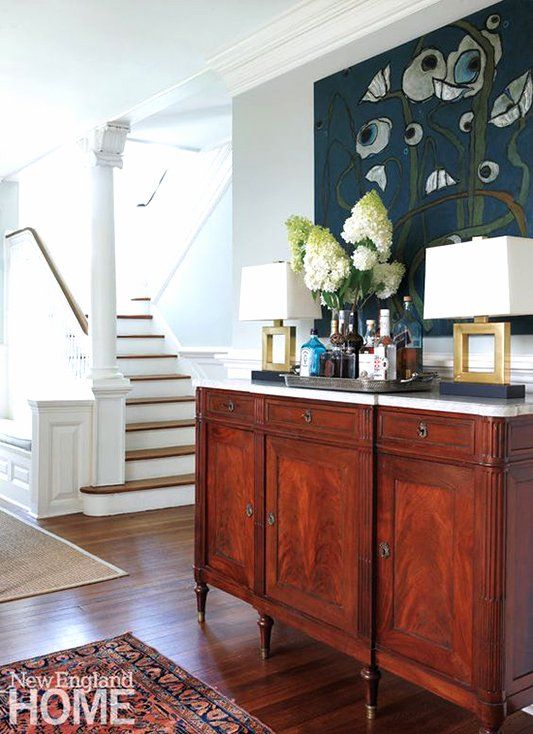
<point x="161" y="697"/>
<point x="34" y="561"/>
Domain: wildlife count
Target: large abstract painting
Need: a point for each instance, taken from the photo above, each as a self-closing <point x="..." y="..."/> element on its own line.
<point x="441" y="127"/>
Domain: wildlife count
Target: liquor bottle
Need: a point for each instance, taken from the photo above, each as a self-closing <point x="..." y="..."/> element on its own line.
<point x="354" y="342"/>
<point x="407" y="335"/>
<point x="310" y="356"/>
<point x="366" y="353"/>
<point x="385" y="350"/>
<point x="329" y="361"/>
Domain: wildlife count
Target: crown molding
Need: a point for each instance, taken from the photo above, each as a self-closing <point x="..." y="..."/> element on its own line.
<point x="310" y="29"/>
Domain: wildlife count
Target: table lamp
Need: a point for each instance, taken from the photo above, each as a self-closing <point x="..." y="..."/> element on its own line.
<point x="479" y="279"/>
<point x="274" y="292"/>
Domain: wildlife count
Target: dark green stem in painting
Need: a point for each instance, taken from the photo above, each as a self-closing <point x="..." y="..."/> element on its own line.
<point x="478" y="144"/>
<point x="516" y="160"/>
<point x="454" y="140"/>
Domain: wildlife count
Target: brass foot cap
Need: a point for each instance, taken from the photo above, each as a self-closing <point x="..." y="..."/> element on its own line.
<point x="264" y="653"/>
<point x="371" y="712"/>
<point x="201" y="617"/>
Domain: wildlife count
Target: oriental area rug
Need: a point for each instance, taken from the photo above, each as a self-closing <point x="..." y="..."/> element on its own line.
<point x="117" y="685"/>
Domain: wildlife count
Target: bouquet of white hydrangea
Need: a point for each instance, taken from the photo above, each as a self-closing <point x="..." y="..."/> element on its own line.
<point x="337" y="276"/>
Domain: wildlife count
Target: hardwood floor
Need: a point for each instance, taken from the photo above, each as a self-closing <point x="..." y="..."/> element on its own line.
<point x="304" y="687"/>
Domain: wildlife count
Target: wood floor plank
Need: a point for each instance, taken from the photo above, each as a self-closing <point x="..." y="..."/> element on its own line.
<point x="304" y="688"/>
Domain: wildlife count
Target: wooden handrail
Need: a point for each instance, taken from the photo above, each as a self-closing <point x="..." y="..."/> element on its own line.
<point x="74" y="305"/>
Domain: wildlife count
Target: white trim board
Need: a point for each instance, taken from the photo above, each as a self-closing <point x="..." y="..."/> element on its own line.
<point x="308" y="30"/>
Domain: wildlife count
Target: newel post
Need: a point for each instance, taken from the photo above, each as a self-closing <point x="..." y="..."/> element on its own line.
<point x="110" y="387"/>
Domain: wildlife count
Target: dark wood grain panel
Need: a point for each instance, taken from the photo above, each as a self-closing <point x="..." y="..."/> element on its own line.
<point x="230" y="500"/>
<point x="311" y="544"/>
<point x="231" y="406"/>
<point x="314" y="418"/>
<point x="425" y="587"/>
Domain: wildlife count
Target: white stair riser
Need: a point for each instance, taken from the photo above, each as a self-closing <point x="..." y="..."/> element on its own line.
<point x="150" y="468"/>
<point x="155" y="499"/>
<point x="159" y="412"/>
<point x="152" y="366"/>
<point x="141" y="346"/>
<point x="155" y="439"/>
<point x="159" y="388"/>
<point x="135" y="326"/>
<point x="127" y="306"/>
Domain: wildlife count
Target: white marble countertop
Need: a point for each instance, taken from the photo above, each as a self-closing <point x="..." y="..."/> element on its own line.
<point x="417" y="401"/>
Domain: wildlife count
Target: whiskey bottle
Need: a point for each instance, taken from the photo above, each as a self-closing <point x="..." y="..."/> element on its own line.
<point x="407" y="335"/>
<point x="385" y="350"/>
<point x="366" y="353"/>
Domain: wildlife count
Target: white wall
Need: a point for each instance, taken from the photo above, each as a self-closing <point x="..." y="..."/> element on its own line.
<point x="9" y="211"/>
<point x="273" y="171"/>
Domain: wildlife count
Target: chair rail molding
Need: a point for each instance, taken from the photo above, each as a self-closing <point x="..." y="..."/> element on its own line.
<point x="310" y="29"/>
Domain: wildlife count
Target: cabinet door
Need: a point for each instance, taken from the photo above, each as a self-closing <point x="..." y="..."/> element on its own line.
<point x="230" y="502"/>
<point x="425" y="566"/>
<point x="311" y="529"/>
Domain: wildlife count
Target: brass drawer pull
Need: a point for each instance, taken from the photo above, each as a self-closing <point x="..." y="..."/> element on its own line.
<point x="307" y="416"/>
<point x="231" y="406"/>
<point x="271" y="518"/>
<point x="249" y="510"/>
<point x="384" y="550"/>
<point x="423" y="430"/>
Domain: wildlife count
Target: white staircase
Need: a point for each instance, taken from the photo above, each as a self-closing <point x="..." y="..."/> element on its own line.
<point x="160" y="436"/>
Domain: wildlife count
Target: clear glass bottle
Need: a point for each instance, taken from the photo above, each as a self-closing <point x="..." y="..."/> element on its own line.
<point x="366" y="353"/>
<point x="385" y="350"/>
<point x="407" y="335"/>
<point x="310" y="356"/>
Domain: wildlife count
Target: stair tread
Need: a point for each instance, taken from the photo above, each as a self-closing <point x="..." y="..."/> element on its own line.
<point x="157" y="401"/>
<point x="140" y="336"/>
<point x="142" y="298"/>
<point x="167" y="376"/>
<point x="160" y="453"/>
<point x="159" y="425"/>
<point x="134" y="316"/>
<point x="147" y="356"/>
<point x="136" y="485"/>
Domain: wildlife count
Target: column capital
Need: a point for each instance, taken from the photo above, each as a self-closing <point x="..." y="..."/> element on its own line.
<point x="106" y="144"/>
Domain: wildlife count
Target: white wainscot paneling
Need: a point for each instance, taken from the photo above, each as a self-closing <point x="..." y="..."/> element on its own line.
<point x="15" y="474"/>
<point x="62" y="438"/>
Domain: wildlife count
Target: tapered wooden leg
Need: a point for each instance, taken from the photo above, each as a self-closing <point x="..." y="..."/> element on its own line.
<point x="265" y="624"/>
<point x="201" y="590"/>
<point x="371" y="676"/>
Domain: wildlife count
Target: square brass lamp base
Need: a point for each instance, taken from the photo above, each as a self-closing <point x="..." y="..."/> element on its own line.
<point x="269" y="332"/>
<point x="494" y="384"/>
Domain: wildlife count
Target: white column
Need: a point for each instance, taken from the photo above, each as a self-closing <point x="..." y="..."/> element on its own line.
<point x="110" y="388"/>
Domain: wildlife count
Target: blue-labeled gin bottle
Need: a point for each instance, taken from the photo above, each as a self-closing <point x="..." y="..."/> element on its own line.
<point x="310" y="356"/>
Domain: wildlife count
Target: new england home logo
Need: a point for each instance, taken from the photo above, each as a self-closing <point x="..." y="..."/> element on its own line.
<point x="60" y="698"/>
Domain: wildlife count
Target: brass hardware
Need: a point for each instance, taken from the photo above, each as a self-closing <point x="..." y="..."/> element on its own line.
<point x="231" y="406"/>
<point x="249" y="510"/>
<point x="501" y="374"/>
<point x="423" y="430"/>
<point x="271" y="518"/>
<point x="289" y="333"/>
<point x="384" y="550"/>
<point x="307" y="416"/>
<point x="201" y="617"/>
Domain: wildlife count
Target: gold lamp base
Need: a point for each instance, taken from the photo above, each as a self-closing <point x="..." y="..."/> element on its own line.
<point x="289" y="334"/>
<point x="501" y="332"/>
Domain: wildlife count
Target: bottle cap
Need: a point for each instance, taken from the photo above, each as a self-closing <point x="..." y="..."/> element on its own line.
<point x="370" y="321"/>
<point x="384" y="311"/>
<point x="408" y="298"/>
<point x="314" y="332"/>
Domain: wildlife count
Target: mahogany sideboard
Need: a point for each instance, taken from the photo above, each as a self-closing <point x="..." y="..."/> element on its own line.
<point x="402" y="536"/>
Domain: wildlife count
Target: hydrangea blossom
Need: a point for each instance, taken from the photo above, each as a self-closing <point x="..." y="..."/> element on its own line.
<point x="326" y="265"/>
<point x="369" y="223"/>
<point x="298" y="229"/>
<point x="364" y="258"/>
<point x="386" y="278"/>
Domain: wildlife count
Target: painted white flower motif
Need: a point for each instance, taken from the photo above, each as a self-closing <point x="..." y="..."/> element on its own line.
<point x="439" y="179"/>
<point x="466" y="121"/>
<point x="514" y="103"/>
<point x="386" y="278"/>
<point x="364" y="258"/>
<point x="379" y="87"/>
<point x="488" y="171"/>
<point x="378" y="175"/>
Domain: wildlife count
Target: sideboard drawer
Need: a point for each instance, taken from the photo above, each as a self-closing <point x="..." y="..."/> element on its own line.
<point x="426" y="434"/>
<point x="236" y="406"/>
<point x="314" y="418"/>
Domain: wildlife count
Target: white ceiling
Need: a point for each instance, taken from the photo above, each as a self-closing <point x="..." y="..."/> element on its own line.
<point x="69" y="65"/>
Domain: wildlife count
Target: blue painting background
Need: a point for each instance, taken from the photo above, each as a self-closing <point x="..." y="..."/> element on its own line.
<point x="470" y="205"/>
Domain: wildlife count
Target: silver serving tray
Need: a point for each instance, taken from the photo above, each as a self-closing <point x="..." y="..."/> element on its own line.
<point x="345" y="384"/>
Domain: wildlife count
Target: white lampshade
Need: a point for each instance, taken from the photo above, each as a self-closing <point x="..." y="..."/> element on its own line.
<point x="484" y="277"/>
<point x="274" y="291"/>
